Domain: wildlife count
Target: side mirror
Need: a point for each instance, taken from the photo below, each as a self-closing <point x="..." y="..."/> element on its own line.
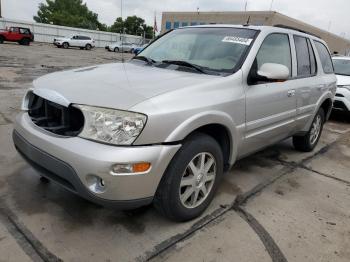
<point x="274" y="72"/>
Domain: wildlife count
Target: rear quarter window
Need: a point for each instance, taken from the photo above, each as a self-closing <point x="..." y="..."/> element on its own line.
<point x="325" y="57"/>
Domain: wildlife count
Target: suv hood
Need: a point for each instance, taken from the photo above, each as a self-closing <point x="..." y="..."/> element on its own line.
<point x="343" y="80"/>
<point x="119" y="86"/>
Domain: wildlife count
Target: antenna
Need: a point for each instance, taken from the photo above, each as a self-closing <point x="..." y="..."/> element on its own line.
<point x="248" y="22"/>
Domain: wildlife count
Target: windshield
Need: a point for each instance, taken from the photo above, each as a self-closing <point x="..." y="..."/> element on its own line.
<point x="341" y="66"/>
<point x="215" y="49"/>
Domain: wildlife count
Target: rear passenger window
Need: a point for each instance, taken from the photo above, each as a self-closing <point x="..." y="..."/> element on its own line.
<point x="274" y="49"/>
<point x="303" y="56"/>
<point x="312" y="58"/>
<point x="325" y="57"/>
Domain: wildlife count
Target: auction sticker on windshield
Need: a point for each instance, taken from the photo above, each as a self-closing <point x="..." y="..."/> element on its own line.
<point x="237" y="40"/>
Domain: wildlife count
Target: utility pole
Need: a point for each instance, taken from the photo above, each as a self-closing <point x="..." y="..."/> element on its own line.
<point x="246" y="6"/>
<point x="271" y="5"/>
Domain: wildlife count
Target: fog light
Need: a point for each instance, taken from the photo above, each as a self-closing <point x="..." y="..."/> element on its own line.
<point x="96" y="184"/>
<point x="131" y="168"/>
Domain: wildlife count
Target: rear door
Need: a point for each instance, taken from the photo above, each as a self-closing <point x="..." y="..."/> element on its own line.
<point x="307" y="80"/>
<point x="270" y="106"/>
<point x="328" y="78"/>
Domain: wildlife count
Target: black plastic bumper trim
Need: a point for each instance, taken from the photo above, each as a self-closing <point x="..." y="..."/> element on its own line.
<point x="63" y="174"/>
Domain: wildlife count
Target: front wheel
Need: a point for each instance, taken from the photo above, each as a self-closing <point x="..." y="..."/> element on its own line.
<point x="190" y="181"/>
<point x="116" y="50"/>
<point x="308" y="142"/>
<point x="88" y="47"/>
<point x="24" y="41"/>
<point x="65" y="45"/>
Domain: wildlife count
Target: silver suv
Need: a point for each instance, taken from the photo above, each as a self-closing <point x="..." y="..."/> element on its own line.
<point x="165" y="126"/>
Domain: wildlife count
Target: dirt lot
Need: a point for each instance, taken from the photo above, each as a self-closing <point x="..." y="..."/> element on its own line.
<point x="278" y="205"/>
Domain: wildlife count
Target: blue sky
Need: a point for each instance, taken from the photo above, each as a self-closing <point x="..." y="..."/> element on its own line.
<point x="333" y="14"/>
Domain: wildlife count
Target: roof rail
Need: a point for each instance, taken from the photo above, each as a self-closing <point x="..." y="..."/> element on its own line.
<point x="296" y="29"/>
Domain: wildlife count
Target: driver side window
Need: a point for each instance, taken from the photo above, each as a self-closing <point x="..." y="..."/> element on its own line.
<point x="275" y="49"/>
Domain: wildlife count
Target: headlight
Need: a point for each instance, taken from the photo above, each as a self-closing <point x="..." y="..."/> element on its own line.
<point x="111" y="126"/>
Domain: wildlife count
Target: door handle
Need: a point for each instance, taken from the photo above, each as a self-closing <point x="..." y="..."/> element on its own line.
<point x="291" y="93"/>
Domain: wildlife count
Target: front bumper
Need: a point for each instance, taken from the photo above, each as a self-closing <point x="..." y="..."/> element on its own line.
<point x="342" y="99"/>
<point x="70" y="161"/>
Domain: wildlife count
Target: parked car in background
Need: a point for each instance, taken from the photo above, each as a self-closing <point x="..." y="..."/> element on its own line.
<point x="83" y="42"/>
<point x="342" y="71"/>
<point x="139" y="49"/>
<point x="121" y="47"/>
<point x="199" y="99"/>
<point x="21" y="35"/>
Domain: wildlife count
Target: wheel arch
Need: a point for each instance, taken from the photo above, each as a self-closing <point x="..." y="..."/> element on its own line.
<point x="326" y="103"/>
<point x="218" y="125"/>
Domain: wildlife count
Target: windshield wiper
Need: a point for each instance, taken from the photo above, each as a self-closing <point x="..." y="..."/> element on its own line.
<point x="145" y="58"/>
<point x="186" y="64"/>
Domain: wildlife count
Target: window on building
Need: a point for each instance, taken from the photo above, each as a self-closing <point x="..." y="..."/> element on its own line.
<point x="176" y="24"/>
<point x="202" y="23"/>
<point x="184" y="24"/>
<point x="168" y="25"/>
<point x="275" y="49"/>
<point x="193" y="23"/>
<point x="325" y="57"/>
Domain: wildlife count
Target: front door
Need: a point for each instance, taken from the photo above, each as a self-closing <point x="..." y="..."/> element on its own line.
<point x="270" y="106"/>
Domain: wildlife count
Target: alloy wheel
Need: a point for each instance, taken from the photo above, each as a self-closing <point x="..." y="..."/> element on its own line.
<point x="315" y="129"/>
<point x="198" y="180"/>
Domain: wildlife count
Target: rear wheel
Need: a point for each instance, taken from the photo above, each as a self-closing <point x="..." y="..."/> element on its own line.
<point x="88" y="47"/>
<point x="65" y="45"/>
<point x="2" y="39"/>
<point x="116" y="49"/>
<point x="308" y="142"/>
<point x="190" y="181"/>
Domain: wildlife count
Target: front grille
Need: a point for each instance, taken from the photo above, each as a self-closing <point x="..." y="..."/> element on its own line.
<point x="55" y="118"/>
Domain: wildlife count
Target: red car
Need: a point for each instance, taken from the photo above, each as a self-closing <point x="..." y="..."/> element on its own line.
<point x="21" y="35"/>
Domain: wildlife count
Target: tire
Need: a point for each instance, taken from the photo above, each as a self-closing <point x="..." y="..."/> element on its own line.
<point x="88" y="47"/>
<point x="65" y="45"/>
<point x="132" y="51"/>
<point x="2" y="39"/>
<point x="24" y="41"/>
<point x="44" y="180"/>
<point x="308" y="142"/>
<point x="170" y="192"/>
<point x="116" y="50"/>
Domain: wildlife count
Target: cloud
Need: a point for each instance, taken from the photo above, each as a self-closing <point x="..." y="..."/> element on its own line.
<point x="320" y="13"/>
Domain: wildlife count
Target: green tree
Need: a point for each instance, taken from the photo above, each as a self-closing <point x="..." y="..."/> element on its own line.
<point x="133" y="25"/>
<point x="68" y="13"/>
